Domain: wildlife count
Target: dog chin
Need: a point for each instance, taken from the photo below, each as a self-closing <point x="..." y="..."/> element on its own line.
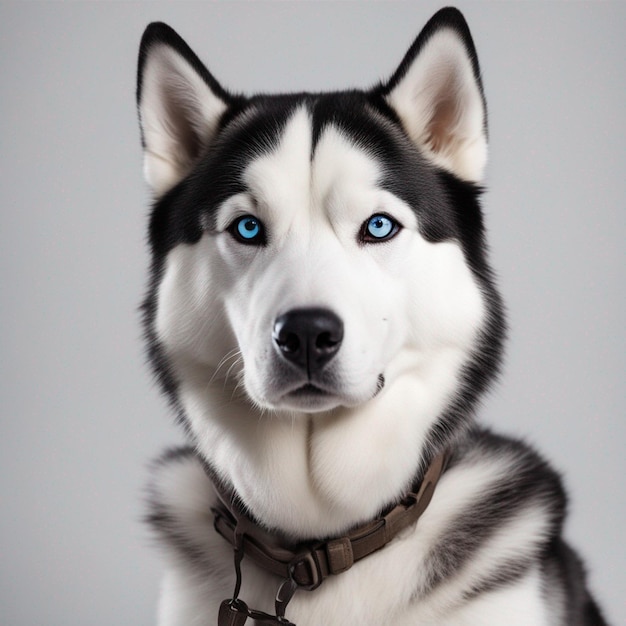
<point x="310" y="398"/>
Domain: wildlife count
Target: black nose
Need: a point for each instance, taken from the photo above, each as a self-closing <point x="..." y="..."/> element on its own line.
<point x="308" y="337"/>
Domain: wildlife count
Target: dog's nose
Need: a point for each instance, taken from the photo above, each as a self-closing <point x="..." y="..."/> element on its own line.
<point x="308" y="337"/>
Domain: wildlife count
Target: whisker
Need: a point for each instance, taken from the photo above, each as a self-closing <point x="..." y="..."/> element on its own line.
<point x="235" y="363"/>
<point x="232" y="354"/>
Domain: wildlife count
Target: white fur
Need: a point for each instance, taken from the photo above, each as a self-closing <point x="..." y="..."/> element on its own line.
<point x="517" y="605"/>
<point x="441" y="107"/>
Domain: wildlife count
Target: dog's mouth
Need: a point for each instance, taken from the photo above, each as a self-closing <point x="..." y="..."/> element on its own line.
<point x="312" y="397"/>
<point x="308" y="390"/>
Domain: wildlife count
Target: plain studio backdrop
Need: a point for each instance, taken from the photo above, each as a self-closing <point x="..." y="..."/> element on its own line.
<point x="81" y="416"/>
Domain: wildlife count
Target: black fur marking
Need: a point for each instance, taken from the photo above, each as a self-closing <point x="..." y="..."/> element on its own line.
<point x="563" y="564"/>
<point x="529" y="483"/>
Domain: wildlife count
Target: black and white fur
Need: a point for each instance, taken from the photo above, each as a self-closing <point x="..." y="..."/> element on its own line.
<point x="315" y="448"/>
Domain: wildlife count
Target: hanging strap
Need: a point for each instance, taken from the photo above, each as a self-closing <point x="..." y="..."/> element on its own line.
<point x="306" y="566"/>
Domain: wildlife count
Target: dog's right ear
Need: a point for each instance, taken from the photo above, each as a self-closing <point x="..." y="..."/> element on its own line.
<point x="179" y="104"/>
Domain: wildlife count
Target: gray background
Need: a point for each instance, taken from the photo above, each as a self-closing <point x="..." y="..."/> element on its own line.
<point x="80" y="415"/>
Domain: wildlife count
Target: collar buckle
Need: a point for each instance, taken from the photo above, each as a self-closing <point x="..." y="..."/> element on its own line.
<point x="306" y="571"/>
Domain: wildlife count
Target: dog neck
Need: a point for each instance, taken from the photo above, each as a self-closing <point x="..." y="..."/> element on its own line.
<point x="306" y="565"/>
<point x="305" y="475"/>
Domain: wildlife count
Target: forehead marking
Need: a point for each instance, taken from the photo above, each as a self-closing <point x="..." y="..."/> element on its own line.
<point x="292" y="179"/>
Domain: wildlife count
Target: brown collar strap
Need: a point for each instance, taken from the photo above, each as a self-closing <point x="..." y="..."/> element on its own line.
<point x="307" y="565"/>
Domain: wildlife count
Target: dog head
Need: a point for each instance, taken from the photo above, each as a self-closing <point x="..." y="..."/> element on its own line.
<point x="312" y="250"/>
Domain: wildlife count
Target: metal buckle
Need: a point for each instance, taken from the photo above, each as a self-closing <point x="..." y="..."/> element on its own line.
<point x="311" y="562"/>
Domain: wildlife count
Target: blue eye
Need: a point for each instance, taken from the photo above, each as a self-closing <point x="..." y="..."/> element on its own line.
<point x="248" y="229"/>
<point x="379" y="228"/>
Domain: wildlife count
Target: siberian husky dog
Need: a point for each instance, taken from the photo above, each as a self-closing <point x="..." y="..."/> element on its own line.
<point x="322" y="315"/>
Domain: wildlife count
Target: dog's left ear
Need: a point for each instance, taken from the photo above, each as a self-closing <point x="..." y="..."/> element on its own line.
<point x="180" y="105"/>
<point x="437" y="94"/>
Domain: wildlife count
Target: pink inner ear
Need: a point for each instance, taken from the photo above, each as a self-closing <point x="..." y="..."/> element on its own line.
<point x="442" y="124"/>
